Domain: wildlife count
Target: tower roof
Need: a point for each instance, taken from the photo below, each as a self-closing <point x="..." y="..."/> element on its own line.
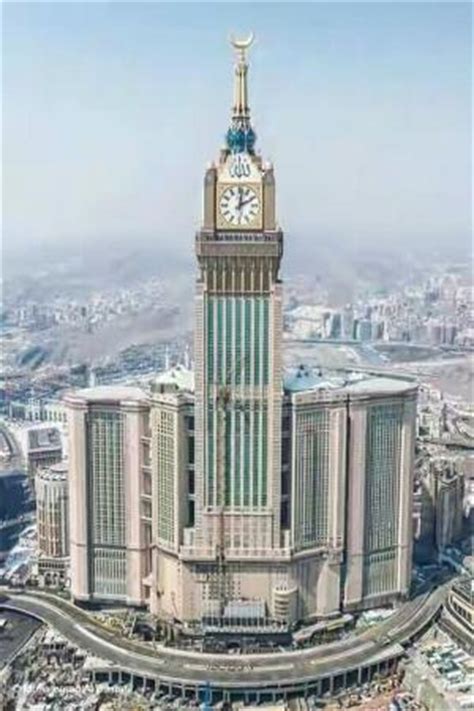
<point x="241" y="108"/>
<point x="241" y="137"/>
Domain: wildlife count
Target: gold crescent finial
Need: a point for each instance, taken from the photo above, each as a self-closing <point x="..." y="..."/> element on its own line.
<point x="242" y="45"/>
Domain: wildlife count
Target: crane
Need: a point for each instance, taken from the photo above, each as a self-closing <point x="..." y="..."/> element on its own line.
<point x="223" y="400"/>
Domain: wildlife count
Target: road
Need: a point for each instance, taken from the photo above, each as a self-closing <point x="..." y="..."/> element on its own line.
<point x="15" y="634"/>
<point x="11" y="442"/>
<point x="234" y="671"/>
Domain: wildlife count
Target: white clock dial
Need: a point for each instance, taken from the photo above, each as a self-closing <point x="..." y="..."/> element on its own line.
<point x="239" y="205"/>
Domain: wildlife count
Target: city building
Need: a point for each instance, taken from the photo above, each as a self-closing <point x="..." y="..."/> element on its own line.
<point x="258" y="535"/>
<point x="347" y="326"/>
<point x="345" y="503"/>
<point x="350" y="491"/>
<point x="439" y="502"/>
<point x="110" y="492"/>
<point x="448" y="495"/>
<point x="37" y="410"/>
<point x="41" y="445"/>
<point x="364" y="329"/>
<point x="173" y="486"/>
<point x="240" y="496"/>
<point x="439" y="669"/>
<point x="458" y="614"/>
<point x="52" y="517"/>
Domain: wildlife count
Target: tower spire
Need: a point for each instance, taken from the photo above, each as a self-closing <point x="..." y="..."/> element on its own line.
<point x="240" y="136"/>
<point x="241" y="108"/>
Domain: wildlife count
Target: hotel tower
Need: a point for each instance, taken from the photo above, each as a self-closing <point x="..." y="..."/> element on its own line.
<point x="238" y="346"/>
<point x="248" y="496"/>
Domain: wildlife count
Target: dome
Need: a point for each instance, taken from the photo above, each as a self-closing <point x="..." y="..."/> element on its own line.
<point x="240" y="139"/>
<point x="251" y="138"/>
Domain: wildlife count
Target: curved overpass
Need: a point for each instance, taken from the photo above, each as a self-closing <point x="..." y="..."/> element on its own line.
<point x="15" y="456"/>
<point x="184" y="671"/>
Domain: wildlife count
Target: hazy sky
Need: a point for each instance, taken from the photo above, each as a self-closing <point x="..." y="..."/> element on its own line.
<point x="111" y="112"/>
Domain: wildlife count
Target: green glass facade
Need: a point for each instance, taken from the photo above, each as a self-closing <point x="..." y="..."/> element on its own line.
<point x="382" y="493"/>
<point x="164" y="441"/>
<point x="312" y="479"/>
<point x="107" y="503"/>
<point x="237" y="375"/>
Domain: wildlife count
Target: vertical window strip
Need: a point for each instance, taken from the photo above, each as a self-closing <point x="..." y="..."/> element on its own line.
<point x="264" y="441"/>
<point x="237" y="459"/>
<point x="229" y="355"/>
<point x="266" y="349"/>
<point x="227" y="455"/>
<point x="210" y="454"/>
<point x="210" y="340"/>
<point x="238" y="341"/>
<point x="220" y="342"/>
<point x="248" y="340"/>
<point x="382" y="487"/>
<point x="247" y="443"/>
<point x="256" y="340"/>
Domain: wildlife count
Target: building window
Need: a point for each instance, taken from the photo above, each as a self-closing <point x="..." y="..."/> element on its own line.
<point x="147" y="485"/>
<point x="190" y="450"/>
<point x="146" y="509"/>
<point x="165" y="463"/>
<point x="284" y="514"/>
<point x="312" y="478"/>
<point x="191" y="513"/>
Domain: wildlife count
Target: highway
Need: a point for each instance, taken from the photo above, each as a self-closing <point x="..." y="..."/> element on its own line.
<point x="9" y="438"/>
<point x="188" y="668"/>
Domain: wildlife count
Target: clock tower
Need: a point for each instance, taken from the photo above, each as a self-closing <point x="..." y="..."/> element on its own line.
<point x="238" y="353"/>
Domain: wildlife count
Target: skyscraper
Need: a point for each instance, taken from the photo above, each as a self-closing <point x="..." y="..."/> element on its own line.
<point x="243" y="494"/>
<point x="238" y="343"/>
<point x="52" y="502"/>
<point x="110" y="506"/>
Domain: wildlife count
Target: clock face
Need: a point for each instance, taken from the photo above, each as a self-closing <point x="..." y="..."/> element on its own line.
<point x="239" y="205"/>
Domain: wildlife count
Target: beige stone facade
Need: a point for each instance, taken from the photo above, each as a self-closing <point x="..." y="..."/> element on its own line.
<point x="110" y="504"/>
<point x="52" y="513"/>
<point x="244" y="489"/>
<point x="347" y="528"/>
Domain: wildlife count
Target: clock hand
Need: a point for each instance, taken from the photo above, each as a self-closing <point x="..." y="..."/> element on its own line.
<point x="245" y="202"/>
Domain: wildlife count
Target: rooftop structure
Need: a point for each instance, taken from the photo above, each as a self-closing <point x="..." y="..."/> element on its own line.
<point x="179" y="378"/>
<point x="106" y="393"/>
<point x="350" y="382"/>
